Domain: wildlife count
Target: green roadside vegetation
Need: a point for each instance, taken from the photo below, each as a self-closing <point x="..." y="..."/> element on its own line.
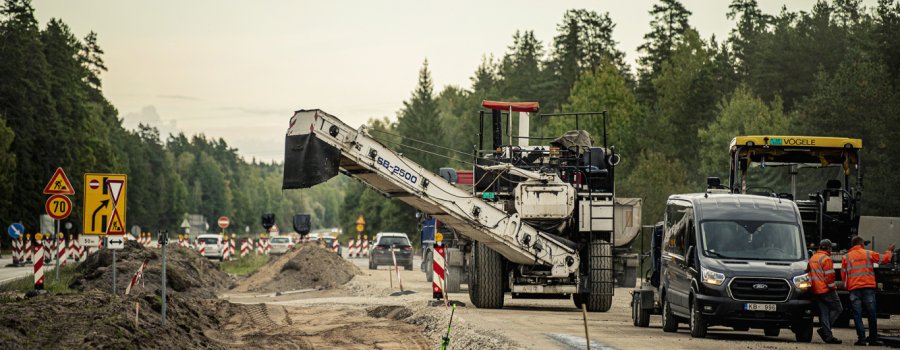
<point x="67" y="275"/>
<point x="244" y="266"/>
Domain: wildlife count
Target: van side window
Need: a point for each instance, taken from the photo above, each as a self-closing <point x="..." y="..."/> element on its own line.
<point x="691" y="235"/>
<point x="675" y="228"/>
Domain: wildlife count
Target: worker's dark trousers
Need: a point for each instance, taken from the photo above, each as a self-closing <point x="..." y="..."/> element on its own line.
<point x="829" y="309"/>
<point x="859" y="298"/>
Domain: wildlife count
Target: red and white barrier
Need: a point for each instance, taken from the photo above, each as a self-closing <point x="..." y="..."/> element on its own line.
<point x="202" y="249"/>
<point x="73" y="250"/>
<point x="137" y="277"/>
<point x="245" y="247"/>
<point x="396" y="268"/>
<point x="268" y="247"/>
<point x="365" y="248"/>
<point x="232" y="243"/>
<point x="335" y="245"/>
<point x="438" y="274"/>
<point x="28" y="251"/>
<point x="39" y="266"/>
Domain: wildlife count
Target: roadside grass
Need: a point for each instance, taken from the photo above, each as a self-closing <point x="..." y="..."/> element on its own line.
<point x="67" y="275"/>
<point x="244" y="266"/>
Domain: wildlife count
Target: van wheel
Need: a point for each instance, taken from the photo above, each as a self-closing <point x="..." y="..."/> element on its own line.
<point x="698" y="322"/>
<point x="772" y="332"/>
<point x="669" y="323"/>
<point x="803" y="331"/>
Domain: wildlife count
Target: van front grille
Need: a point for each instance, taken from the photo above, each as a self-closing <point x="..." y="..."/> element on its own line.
<point x="760" y="289"/>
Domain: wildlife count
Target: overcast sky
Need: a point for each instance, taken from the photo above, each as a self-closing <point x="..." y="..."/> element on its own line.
<point x="237" y="69"/>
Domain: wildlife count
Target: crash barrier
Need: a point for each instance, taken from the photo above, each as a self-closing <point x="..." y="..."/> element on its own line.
<point x="39" y="265"/>
<point x="138" y="275"/>
<point x="438" y="275"/>
<point x="365" y="248"/>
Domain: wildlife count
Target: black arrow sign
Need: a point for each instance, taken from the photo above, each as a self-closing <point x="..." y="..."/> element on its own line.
<point x="111" y="241"/>
<point x="103" y="204"/>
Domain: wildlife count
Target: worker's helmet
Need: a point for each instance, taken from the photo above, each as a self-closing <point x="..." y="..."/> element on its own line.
<point x="825" y="243"/>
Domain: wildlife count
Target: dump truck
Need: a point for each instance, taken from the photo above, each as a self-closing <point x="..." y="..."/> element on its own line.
<point x="824" y="177"/>
<point x="539" y="221"/>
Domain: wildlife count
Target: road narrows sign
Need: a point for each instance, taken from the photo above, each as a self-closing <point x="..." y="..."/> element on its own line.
<point x="224" y="222"/>
<point x="105" y="204"/>
<point x="59" y="183"/>
<point x="58" y="206"/>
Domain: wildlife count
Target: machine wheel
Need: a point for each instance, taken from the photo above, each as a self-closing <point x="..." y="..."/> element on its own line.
<point x="698" y="322"/>
<point x="640" y="315"/>
<point x="772" y="332"/>
<point x="669" y="323"/>
<point x="429" y="267"/>
<point x="803" y="331"/>
<point x="454" y="279"/>
<point x="488" y="278"/>
<point x="601" y="276"/>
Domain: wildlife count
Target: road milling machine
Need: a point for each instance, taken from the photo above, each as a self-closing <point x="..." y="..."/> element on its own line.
<point x="539" y="221"/>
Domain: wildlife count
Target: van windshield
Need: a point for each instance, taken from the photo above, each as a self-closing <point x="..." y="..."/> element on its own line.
<point x="752" y="240"/>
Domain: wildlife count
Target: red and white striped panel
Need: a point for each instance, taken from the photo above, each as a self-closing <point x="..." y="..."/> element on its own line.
<point x="438" y="274"/>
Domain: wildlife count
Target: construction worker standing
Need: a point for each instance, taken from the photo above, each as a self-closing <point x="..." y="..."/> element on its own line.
<point x="821" y="274"/>
<point x="858" y="274"/>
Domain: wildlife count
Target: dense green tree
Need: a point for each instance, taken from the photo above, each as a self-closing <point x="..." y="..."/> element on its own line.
<point x="419" y="120"/>
<point x="669" y="23"/>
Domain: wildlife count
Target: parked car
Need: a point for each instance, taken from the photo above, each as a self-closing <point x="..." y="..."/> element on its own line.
<point x="214" y="245"/>
<point x="281" y="244"/>
<point x="329" y="242"/>
<point x="380" y="253"/>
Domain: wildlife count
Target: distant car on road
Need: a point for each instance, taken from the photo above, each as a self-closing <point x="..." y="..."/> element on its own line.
<point x="281" y="244"/>
<point x="381" y="250"/>
<point x="329" y="242"/>
<point x="213" y="245"/>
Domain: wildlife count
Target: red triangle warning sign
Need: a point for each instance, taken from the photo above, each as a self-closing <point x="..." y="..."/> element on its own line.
<point x="116" y="226"/>
<point x="59" y="184"/>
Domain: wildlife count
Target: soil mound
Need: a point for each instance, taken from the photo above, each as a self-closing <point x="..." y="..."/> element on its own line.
<point x="97" y="319"/>
<point x="187" y="273"/>
<point x="308" y="266"/>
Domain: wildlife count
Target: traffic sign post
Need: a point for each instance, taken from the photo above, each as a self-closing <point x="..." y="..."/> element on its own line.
<point x="223" y="223"/>
<point x="59" y="184"/>
<point x="105" y="204"/>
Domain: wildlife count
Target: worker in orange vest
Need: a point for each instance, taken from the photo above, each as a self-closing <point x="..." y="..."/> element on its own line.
<point x="858" y="274"/>
<point x="821" y="274"/>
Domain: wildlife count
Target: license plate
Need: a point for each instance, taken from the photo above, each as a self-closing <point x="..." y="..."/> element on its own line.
<point x="760" y="307"/>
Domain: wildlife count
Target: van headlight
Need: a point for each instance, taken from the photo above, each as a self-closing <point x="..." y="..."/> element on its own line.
<point x="711" y="277"/>
<point x="802" y="282"/>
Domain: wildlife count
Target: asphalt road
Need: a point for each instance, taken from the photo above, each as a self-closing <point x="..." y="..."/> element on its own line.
<point x="8" y="273"/>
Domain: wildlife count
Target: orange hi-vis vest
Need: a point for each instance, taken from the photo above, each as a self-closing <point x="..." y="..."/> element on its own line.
<point x="858" y="269"/>
<point x="821" y="272"/>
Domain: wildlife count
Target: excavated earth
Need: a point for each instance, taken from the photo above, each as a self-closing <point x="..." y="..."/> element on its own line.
<point x="307" y="266"/>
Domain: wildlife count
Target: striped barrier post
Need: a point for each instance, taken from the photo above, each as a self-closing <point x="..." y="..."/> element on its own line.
<point x="396" y="268"/>
<point x="438" y="274"/>
<point x="268" y="246"/>
<point x="365" y="246"/>
<point x="73" y="251"/>
<point x="48" y="252"/>
<point x="28" y="252"/>
<point x="137" y="277"/>
<point x="358" y="249"/>
<point x="245" y="248"/>
<point x="38" y="265"/>
<point x="352" y="247"/>
<point x="335" y="245"/>
<point x="14" y="245"/>
<point x="233" y="244"/>
<point x="202" y="249"/>
<point x="61" y="251"/>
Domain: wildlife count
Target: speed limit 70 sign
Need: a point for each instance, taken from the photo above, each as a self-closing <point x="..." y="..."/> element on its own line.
<point x="58" y="206"/>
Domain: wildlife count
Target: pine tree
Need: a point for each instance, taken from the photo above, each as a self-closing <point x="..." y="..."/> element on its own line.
<point x="419" y="120"/>
<point x="667" y="28"/>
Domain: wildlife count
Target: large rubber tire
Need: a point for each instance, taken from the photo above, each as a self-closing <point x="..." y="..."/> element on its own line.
<point x="669" y="322"/>
<point x="803" y="331"/>
<point x="600" y="297"/>
<point x="454" y="279"/>
<point x="640" y="316"/>
<point x="429" y="267"/>
<point x="488" y="278"/>
<point x="697" y="321"/>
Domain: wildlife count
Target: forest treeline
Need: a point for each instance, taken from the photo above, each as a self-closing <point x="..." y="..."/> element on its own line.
<point x="832" y="70"/>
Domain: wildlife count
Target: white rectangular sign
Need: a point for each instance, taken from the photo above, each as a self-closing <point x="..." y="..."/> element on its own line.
<point x="89" y="241"/>
<point x="115" y="242"/>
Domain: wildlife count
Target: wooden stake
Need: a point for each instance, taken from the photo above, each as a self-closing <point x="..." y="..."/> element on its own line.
<point x="587" y="336"/>
<point x="137" y="310"/>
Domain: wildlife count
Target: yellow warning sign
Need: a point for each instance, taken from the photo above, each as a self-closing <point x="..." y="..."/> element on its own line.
<point x="360" y="220"/>
<point x="360" y="228"/>
<point x="105" y="199"/>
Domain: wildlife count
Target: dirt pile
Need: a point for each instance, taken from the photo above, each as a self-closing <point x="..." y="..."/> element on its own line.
<point x="308" y="266"/>
<point x="97" y="319"/>
<point x="187" y="273"/>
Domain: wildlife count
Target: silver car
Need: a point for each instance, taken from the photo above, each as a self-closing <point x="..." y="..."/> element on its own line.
<point x="281" y="244"/>
<point x="213" y="246"/>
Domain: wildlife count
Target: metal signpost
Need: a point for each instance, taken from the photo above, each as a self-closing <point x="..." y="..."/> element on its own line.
<point x="105" y="199"/>
<point x="163" y="239"/>
<point x="58" y="206"/>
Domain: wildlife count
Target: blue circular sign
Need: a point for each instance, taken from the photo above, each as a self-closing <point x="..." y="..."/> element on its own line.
<point x="16" y="230"/>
